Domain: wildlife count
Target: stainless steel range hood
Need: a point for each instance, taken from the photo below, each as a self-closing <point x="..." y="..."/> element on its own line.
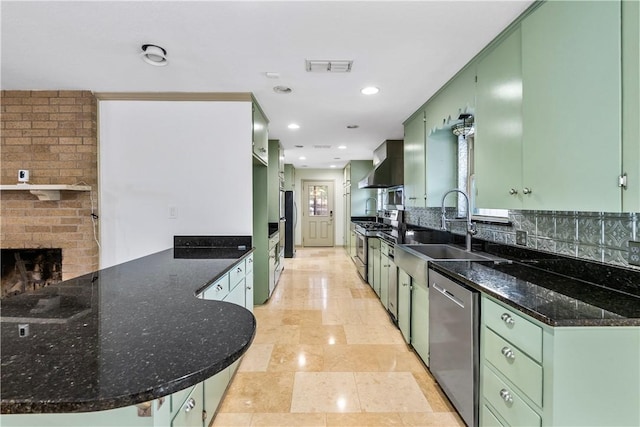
<point x="388" y="166"/>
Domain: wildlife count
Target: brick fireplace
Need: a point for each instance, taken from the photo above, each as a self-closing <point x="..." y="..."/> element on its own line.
<point x="53" y="134"/>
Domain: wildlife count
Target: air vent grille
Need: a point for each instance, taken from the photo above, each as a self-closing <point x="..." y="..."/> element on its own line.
<point x="322" y="147"/>
<point x="328" y="66"/>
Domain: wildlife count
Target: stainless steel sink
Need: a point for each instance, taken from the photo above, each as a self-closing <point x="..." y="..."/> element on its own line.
<point x="446" y="252"/>
<point x="414" y="259"/>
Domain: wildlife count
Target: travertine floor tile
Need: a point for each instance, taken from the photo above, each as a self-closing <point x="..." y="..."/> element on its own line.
<point x="327" y="354"/>
<point x="390" y="392"/>
<point x="325" y="392"/>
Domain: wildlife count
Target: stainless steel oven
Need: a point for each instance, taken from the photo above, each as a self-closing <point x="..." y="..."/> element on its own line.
<point x="361" y="253"/>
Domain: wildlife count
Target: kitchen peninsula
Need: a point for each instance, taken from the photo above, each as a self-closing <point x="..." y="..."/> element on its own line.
<point x="128" y="335"/>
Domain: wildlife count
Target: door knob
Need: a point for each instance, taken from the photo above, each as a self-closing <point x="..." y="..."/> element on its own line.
<point x="527" y="190"/>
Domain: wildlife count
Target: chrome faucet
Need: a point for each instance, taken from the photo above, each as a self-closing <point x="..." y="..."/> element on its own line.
<point x="471" y="227"/>
<point x="366" y="204"/>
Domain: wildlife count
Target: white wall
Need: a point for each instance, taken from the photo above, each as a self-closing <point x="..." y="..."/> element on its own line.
<point x="195" y="156"/>
<point x="335" y="175"/>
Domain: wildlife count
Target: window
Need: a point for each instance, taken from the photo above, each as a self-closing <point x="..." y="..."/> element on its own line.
<point x="318" y="201"/>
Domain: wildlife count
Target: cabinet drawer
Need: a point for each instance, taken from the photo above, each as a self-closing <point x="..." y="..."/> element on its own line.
<point x="506" y="401"/>
<point x="513" y="327"/>
<point x="248" y="263"/>
<point x="519" y="368"/>
<point x="236" y="273"/>
<point x="218" y="290"/>
<point x="487" y="419"/>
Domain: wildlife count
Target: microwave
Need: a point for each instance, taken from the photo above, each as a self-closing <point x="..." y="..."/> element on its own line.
<point x="393" y="198"/>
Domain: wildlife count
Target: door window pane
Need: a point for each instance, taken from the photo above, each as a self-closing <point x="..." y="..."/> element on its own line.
<point x="318" y="200"/>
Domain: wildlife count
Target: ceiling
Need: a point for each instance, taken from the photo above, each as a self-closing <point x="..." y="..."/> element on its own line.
<point x="407" y="49"/>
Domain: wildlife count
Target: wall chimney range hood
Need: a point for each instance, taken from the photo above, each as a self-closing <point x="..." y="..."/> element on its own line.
<point x="388" y="166"/>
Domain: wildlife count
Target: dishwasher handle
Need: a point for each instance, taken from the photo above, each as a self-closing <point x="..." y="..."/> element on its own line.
<point x="448" y="294"/>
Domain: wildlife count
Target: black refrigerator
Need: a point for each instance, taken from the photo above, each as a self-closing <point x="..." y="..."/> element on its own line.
<point x="291" y="219"/>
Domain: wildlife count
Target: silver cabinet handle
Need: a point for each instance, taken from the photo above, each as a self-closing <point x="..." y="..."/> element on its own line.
<point x="508" y="353"/>
<point x="189" y="404"/>
<point x="263" y="150"/>
<point x="527" y="190"/>
<point x="506" y="318"/>
<point x="506" y="396"/>
<point x="248" y="288"/>
<point x="513" y="191"/>
<point x="219" y="287"/>
<point x="405" y="284"/>
<point x="239" y="270"/>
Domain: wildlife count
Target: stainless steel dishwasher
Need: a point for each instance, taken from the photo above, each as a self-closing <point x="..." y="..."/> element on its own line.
<point x="453" y="343"/>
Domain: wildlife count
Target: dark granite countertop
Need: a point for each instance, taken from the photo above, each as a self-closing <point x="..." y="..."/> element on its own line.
<point x="123" y="335"/>
<point x="552" y="298"/>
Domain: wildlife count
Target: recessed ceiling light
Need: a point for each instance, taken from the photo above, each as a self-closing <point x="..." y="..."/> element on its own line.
<point x="282" y="89"/>
<point x="272" y="75"/>
<point x="293" y="126"/>
<point x="154" y="55"/>
<point x="342" y="147"/>
<point x="369" y="90"/>
<point x="353" y="126"/>
<point x="332" y="166"/>
<point x="302" y="158"/>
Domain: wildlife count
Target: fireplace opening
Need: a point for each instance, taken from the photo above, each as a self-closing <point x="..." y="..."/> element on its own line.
<point x="26" y="270"/>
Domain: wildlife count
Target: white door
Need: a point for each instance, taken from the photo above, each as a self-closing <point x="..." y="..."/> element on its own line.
<point x="317" y="213"/>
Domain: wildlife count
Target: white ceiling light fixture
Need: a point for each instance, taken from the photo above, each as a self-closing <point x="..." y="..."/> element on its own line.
<point x="302" y="158"/>
<point x="154" y="55"/>
<point x="293" y="126"/>
<point x="332" y="166"/>
<point x="342" y="147"/>
<point x="369" y="90"/>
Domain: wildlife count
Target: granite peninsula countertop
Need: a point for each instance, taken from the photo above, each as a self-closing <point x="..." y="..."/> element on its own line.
<point x="122" y="335"/>
<point x="552" y="298"/>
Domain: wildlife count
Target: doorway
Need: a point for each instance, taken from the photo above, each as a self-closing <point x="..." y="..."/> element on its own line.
<point x="317" y="213"/>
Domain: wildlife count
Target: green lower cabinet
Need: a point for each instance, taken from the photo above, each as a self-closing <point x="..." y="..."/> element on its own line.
<point x="376" y="271"/>
<point x="420" y="320"/>
<point x="237" y="294"/>
<point x="536" y="375"/>
<point x="373" y="262"/>
<point x="404" y="304"/>
<point x="248" y="300"/>
<point x="384" y="280"/>
<point x="127" y="416"/>
<point x="190" y="413"/>
<point x="214" y="388"/>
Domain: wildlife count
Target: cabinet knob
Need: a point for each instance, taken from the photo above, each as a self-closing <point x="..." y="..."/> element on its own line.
<point x="506" y="318"/>
<point x="189" y="404"/>
<point x="508" y="353"/>
<point x="527" y="190"/>
<point x="405" y="284"/>
<point x="219" y="287"/>
<point x="239" y="270"/>
<point x="513" y="191"/>
<point x="506" y="396"/>
<point x="248" y="288"/>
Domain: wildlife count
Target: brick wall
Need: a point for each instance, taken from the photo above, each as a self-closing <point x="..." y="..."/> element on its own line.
<point x="53" y="134"/>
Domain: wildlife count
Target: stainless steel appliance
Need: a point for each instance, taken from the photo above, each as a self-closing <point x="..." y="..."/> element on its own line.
<point x="364" y="230"/>
<point x="388" y="166"/>
<point x="392" y="235"/>
<point x="453" y="343"/>
<point x="290" y="223"/>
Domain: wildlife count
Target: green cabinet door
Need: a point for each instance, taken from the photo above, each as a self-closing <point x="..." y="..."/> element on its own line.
<point x="384" y="280"/>
<point x="571" y="106"/>
<point x="631" y="104"/>
<point x="420" y="320"/>
<point x="441" y="166"/>
<point x="213" y="389"/>
<point x="260" y="134"/>
<point x="455" y="98"/>
<point x="375" y="258"/>
<point x="414" y="161"/>
<point x="404" y="304"/>
<point x="498" y="138"/>
<point x="190" y="413"/>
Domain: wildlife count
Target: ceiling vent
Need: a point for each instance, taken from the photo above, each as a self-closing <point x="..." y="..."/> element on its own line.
<point x="328" y="66"/>
<point x="322" y="147"/>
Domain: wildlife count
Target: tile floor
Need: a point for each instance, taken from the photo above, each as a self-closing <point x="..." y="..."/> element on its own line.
<point x="326" y="354"/>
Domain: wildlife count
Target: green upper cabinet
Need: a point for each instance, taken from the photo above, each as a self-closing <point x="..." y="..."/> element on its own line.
<point x="414" y="161"/>
<point x="498" y="137"/>
<point x="631" y="104"/>
<point x="275" y="179"/>
<point x="260" y="134"/>
<point x="571" y="73"/>
<point x="457" y="97"/>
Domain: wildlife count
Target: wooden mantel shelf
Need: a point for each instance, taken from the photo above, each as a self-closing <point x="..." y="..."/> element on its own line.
<point x="46" y="192"/>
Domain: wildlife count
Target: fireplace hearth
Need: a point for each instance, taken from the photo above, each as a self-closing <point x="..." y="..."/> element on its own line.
<point x="27" y="270"/>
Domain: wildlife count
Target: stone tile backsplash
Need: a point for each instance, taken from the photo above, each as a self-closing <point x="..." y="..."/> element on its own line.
<point x="596" y="236"/>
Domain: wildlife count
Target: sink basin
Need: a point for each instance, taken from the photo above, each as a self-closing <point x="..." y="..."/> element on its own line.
<point x="446" y="252"/>
<point x="414" y="259"/>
